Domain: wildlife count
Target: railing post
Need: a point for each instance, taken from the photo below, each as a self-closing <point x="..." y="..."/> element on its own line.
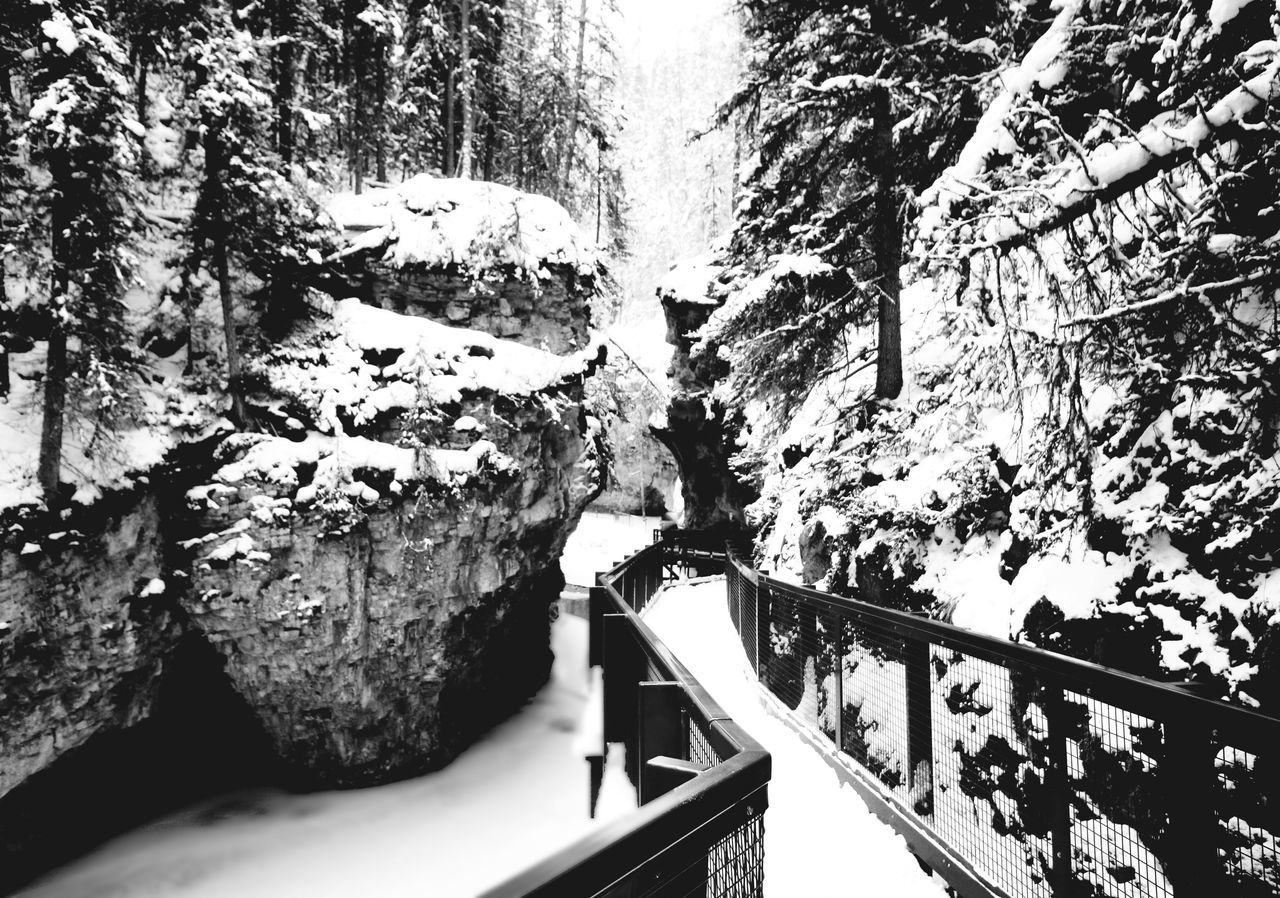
<point x="1059" y="790"/>
<point x="597" y="601"/>
<point x="919" y="726"/>
<point x="764" y="628"/>
<point x="1191" y="857"/>
<point x="621" y="674"/>
<point x="660" y="704"/>
<point x="837" y="692"/>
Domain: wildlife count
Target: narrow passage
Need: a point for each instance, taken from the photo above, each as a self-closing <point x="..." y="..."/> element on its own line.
<point x="820" y="838"/>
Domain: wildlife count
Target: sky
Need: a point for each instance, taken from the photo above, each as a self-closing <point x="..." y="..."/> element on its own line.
<point x="679" y="61"/>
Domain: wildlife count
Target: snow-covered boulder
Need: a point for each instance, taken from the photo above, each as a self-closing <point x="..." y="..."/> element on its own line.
<point x="472" y="254"/>
<point x="379" y="581"/>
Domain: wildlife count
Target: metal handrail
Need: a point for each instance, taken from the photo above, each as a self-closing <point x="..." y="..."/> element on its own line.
<point x="1174" y="787"/>
<point x="672" y="831"/>
<point x="1247" y="728"/>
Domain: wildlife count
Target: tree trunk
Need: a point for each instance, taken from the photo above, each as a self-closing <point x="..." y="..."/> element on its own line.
<point x="449" y="128"/>
<point x="144" y="161"/>
<point x="887" y="249"/>
<point x="215" y="164"/>
<point x="55" y="403"/>
<point x="284" y="27"/>
<point x="380" y="86"/>
<point x="554" y="102"/>
<point x="49" y="471"/>
<point x="466" y="90"/>
<point x="526" y="14"/>
<point x="571" y="138"/>
<point x="6" y="105"/>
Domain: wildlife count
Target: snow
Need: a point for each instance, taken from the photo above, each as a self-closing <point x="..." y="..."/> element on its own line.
<point x="692" y="280"/>
<point x="476" y="225"/>
<point x="60" y="30"/>
<point x="515" y="797"/>
<point x="1165" y="134"/>
<point x="1223" y="11"/>
<point x="817" y="832"/>
<point x="780" y="266"/>
<point x="1042" y="65"/>
<point x="601" y="541"/>
<point x="113" y="462"/>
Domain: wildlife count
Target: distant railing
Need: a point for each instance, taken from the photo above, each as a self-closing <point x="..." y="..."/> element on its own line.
<point x="702" y="782"/>
<point x="1014" y="771"/>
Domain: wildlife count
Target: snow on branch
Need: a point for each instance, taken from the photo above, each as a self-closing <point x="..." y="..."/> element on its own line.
<point x="1176" y="295"/>
<point x="1112" y="170"/>
<point x="1043" y="61"/>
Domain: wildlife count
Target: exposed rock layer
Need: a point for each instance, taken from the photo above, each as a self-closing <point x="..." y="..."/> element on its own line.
<point x="695" y="430"/>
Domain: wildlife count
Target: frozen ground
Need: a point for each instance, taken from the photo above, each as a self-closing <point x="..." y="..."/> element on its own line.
<point x="509" y="801"/>
<point x="600" y="541"/>
<point x="819" y="837"/>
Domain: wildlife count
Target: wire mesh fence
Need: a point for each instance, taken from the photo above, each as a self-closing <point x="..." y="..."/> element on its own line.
<point x="1038" y="774"/>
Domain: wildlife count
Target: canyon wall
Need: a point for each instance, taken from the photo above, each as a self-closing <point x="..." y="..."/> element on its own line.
<point x="349" y="592"/>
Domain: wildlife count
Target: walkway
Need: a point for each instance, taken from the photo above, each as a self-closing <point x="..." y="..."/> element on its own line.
<point x="820" y="839"/>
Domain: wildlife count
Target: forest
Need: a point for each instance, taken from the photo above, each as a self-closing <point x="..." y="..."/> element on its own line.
<point x="1044" y="230"/>
<point x="163" y="158"/>
<point x="323" y="323"/>
<point x="997" y="335"/>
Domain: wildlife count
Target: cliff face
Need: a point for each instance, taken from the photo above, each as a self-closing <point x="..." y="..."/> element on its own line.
<point x="380" y="600"/>
<point x="694" y="427"/>
<point x="358" y="593"/>
<point x="82" y="632"/>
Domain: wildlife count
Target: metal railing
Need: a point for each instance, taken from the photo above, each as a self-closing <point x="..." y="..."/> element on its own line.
<point x="1018" y="772"/>
<point x="702" y="782"/>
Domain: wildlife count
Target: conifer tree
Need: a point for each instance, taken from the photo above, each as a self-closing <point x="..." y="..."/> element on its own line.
<point x="857" y="106"/>
<point x="247" y="213"/>
<point x="79" y="122"/>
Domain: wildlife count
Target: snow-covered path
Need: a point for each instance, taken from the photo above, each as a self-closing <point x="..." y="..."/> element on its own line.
<point x="515" y="797"/>
<point x="820" y="839"/>
<point x="601" y="540"/>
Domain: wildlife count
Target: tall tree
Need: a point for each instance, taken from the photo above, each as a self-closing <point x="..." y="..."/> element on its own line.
<point x="466" y="92"/>
<point x="284" y="27"/>
<point x="858" y="106"/>
<point x="79" y="113"/>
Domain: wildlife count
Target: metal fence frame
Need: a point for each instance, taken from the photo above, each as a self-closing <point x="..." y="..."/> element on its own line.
<point x="702" y="781"/>
<point x="1194" y="732"/>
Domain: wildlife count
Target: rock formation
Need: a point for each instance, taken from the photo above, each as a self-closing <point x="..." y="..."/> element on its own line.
<point x="694" y="427"/>
<point x="364" y="589"/>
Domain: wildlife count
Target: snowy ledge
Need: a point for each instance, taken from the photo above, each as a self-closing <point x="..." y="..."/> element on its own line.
<point x="476" y="226"/>
<point x="692" y="281"/>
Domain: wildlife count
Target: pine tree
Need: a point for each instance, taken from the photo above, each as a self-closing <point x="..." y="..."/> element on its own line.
<point x="78" y="121"/>
<point x="247" y="215"/>
<point x="858" y="106"/>
<point x="14" y="195"/>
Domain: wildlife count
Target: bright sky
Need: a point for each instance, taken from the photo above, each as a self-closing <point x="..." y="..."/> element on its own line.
<point x="649" y="26"/>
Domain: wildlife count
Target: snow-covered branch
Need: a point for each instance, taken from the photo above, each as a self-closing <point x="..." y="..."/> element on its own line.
<point x="1115" y="169"/>
<point x="1176" y="295"/>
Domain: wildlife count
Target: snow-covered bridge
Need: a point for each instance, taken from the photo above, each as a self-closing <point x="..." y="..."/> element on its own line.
<point x="1008" y="770"/>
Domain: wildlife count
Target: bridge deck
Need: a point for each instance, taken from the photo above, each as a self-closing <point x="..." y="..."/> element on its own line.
<point x="820" y="838"/>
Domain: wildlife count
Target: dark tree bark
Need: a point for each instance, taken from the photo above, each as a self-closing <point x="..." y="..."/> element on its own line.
<point x="887" y="249"/>
<point x="571" y="137"/>
<point x="449" y="129"/>
<point x="215" y="166"/>
<point x="49" y="471"/>
<point x="526" y="37"/>
<point x="467" y="90"/>
<point x="283" y="25"/>
<point x="380" y="109"/>
<point x="143" y="102"/>
<point x="6" y="108"/>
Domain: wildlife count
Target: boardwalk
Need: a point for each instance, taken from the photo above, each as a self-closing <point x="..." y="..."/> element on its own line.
<point x="820" y="839"/>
